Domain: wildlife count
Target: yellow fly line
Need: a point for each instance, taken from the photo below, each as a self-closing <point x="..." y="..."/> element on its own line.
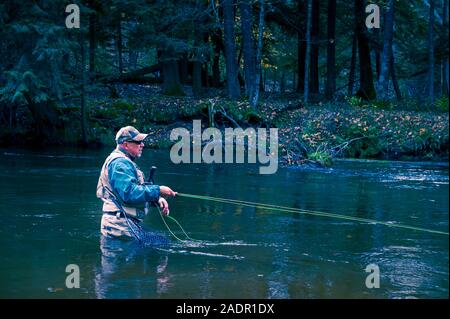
<point x="291" y="210"/>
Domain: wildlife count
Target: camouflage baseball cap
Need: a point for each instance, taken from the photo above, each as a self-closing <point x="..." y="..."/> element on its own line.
<point x="129" y="133"/>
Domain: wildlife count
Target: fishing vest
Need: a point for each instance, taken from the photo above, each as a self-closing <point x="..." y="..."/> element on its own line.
<point x="104" y="188"/>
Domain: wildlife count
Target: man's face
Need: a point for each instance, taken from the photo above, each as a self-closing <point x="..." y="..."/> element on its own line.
<point x="134" y="148"/>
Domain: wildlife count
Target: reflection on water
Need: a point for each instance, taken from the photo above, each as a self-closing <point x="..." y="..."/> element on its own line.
<point x="120" y="259"/>
<point x="50" y="218"/>
<point x="409" y="273"/>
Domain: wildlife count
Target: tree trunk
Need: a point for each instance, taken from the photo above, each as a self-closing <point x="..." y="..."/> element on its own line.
<point x="230" y="50"/>
<point x="282" y="82"/>
<point x="431" y="53"/>
<point x="197" y="64"/>
<point x="170" y="70"/>
<point x="314" y="59"/>
<point x="239" y="58"/>
<point x="444" y="64"/>
<point x="247" y="39"/>
<point x="262" y="86"/>
<point x="387" y="50"/>
<point x="294" y="84"/>
<point x="260" y="78"/>
<point x="83" y="105"/>
<point x="378" y="56"/>
<point x="256" y="87"/>
<point x="119" y="43"/>
<point x="184" y="69"/>
<point x="197" y="78"/>
<point x="366" y="86"/>
<point x="377" y="65"/>
<point x="308" y="49"/>
<point x="206" y="56"/>
<point x="133" y="57"/>
<point x="331" y="50"/>
<point x="301" y="45"/>
<point x="205" y="76"/>
<point x="216" y="39"/>
<point x="92" y="18"/>
<point x="394" y="77"/>
<point x="274" y="80"/>
<point x="351" y="77"/>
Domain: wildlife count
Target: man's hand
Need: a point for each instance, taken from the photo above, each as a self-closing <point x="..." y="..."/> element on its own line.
<point x="164" y="190"/>
<point x="164" y="206"/>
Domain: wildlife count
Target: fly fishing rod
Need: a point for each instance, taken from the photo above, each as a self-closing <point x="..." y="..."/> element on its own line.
<point x="151" y="181"/>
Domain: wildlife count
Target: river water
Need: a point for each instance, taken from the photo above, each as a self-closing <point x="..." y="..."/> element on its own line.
<point x="50" y="218"/>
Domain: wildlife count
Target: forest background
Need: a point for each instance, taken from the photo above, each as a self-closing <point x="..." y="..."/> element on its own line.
<point x="333" y="86"/>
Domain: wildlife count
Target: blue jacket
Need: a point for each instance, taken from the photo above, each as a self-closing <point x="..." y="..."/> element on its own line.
<point x="124" y="180"/>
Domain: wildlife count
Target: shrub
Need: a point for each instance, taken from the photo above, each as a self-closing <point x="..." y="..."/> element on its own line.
<point x="368" y="146"/>
<point x="322" y="157"/>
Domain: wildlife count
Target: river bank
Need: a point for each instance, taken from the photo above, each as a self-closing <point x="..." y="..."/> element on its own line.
<point x="314" y="134"/>
<point x="308" y="134"/>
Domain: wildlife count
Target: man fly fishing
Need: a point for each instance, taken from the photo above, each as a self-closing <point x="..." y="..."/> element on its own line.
<point x="123" y="189"/>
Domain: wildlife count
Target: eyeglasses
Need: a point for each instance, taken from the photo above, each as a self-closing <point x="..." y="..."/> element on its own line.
<point x="136" y="142"/>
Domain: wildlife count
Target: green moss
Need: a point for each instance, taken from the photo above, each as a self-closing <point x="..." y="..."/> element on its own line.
<point x="323" y="157"/>
<point x="382" y="104"/>
<point x="122" y="105"/>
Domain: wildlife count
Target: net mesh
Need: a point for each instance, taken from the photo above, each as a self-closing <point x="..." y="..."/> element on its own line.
<point x="145" y="236"/>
